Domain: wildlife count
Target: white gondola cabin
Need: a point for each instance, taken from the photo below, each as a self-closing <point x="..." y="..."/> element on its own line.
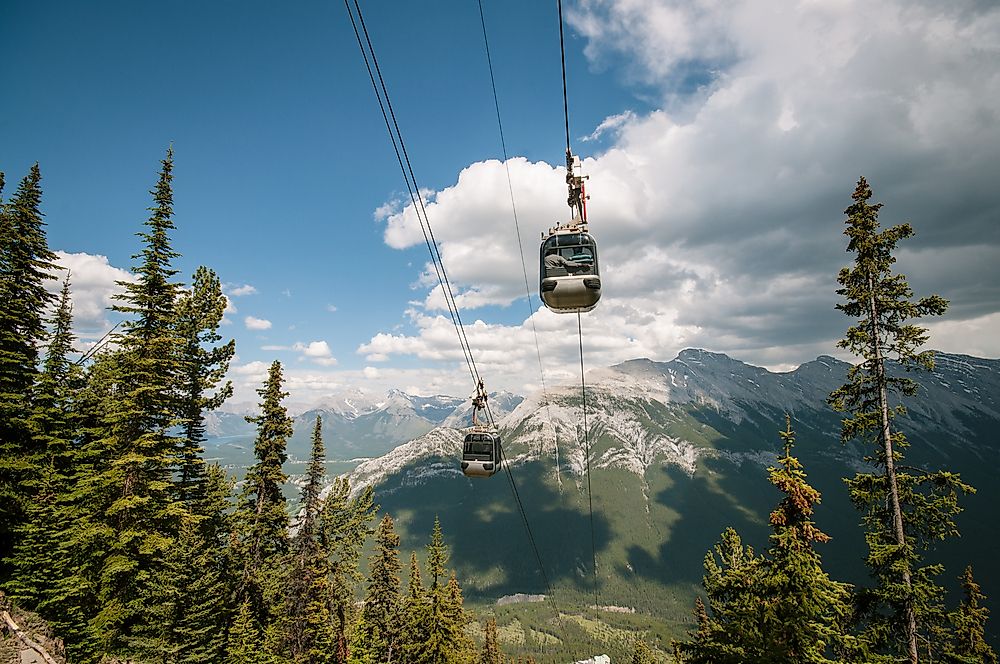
<point x="570" y="276"/>
<point x="481" y="454"/>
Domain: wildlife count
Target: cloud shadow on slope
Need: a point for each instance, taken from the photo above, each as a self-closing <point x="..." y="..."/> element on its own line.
<point x="489" y="545"/>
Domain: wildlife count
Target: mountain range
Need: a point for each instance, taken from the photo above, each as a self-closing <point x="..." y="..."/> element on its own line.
<point x="676" y="452"/>
<point x="355" y="423"/>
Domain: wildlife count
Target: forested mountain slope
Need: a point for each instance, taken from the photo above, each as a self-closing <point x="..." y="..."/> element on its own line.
<point x="679" y="451"/>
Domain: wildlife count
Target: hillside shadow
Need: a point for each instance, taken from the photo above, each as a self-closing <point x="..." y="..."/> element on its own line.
<point x="490" y="548"/>
<point x="705" y="506"/>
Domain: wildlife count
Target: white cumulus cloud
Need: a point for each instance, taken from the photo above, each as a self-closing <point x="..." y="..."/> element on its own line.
<point x="719" y="214"/>
<point x="254" y="323"/>
<point x="316" y="351"/>
<point x="93" y="285"/>
<point x="240" y="291"/>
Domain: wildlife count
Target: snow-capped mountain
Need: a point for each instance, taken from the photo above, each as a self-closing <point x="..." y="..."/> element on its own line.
<point x="354" y="422"/>
<point x="678" y="451"/>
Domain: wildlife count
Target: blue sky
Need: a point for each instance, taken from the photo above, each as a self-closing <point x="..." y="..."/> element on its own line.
<point x="723" y="145"/>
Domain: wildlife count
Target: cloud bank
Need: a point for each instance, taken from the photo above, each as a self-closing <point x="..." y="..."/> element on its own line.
<point x="719" y="215"/>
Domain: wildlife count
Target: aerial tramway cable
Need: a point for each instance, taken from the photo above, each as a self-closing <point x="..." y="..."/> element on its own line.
<point x="395" y="135"/>
<point x="517" y="230"/>
<point x="579" y="329"/>
<point x="586" y="452"/>
<point x="416" y="199"/>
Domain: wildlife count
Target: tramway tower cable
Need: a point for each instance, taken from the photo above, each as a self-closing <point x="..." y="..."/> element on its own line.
<point x="583" y="384"/>
<point x="527" y="289"/>
<point x="517" y="231"/>
<point x="416" y="199"/>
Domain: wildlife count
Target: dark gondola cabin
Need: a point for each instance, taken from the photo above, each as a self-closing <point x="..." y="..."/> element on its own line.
<point x="481" y="454"/>
<point x="570" y="279"/>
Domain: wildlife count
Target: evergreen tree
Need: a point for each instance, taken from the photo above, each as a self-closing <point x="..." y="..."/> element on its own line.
<point x="378" y="632"/>
<point x="46" y="559"/>
<point x="199" y="314"/>
<point x="491" y="654"/>
<point x="310" y="637"/>
<point x="26" y="263"/>
<point x="129" y="517"/>
<point x="186" y="596"/>
<point x="309" y="523"/>
<point x="261" y="515"/>
<point x="415" y="614"/>
<point x="903" y="511"/>
<point x="970" y="626"/>
<point x="642" y="653"/>
<point x="809" y="611"/>
<point x="734" y="632"/>
<point x="782" y="607"/>
<point x="37" y="561"/>
<point x="244" y="644"/>
<point x="442" y="636"/>
<point x="344" y="527"/>
<point x="461" y="647"/>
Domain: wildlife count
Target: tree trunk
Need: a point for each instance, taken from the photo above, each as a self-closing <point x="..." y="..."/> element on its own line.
<point x="890" y="466"/>
<point x="25" y="639"/>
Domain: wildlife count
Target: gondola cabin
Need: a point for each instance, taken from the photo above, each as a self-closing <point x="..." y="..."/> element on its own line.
<point x="570" y="280"/>
<point x="481" y="455"/>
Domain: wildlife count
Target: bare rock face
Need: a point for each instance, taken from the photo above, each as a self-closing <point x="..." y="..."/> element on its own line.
<point x="27" y="639"/>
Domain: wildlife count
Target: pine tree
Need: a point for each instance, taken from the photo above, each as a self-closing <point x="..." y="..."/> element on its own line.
<point x="781" y="607"/>
<point x="809" y="612"/>
<point x="261" y="518"/>
<point x="970" y="626"/>
<point x="903" y="511"/>
<point x="642" y="653"/>
<point x="309" y="523"/>
<point x="186" y="596"/>
<point x="344" y="527"/>
<point x="734" y="632"/>
<point x="26" y="263"/>
<point x="415" y="614"/>
<point x="310" y="635"/>
<point x="199" y="314"/>
<point x="37" y="561"/>
<point x="378" y="633"/>
<point x="461" y="647"/>
<point x="244" y="643"/>
<point x="442" y="637"/>
<point x="491" y="654"/>
<point x="124" y="516"/>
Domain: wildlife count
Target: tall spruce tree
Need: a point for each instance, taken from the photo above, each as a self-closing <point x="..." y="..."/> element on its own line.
<point x="310" y="635"/>
<point x="781" y="608"/>
<point x="734" y="632"/>
<point x="903" y="510"/>
<point x="461" y="647"/>
<point x="26" y="264"/>
<point x="808" y="612"/>
<point x="203" y="367"/>
<point x="261" y="514"/>
<point x="40" y="562"/>
<point x="377" y="635"/>
<point x="970" y="626"/>
<point x="187" y="603"/>
<point x="415" y="614"/>
<point x="442" y="638"/>
<point x="491" y="653"/>
<point x="344" y="528"/>
<point x="244" y="644"/>
<point x="136" y="504"/>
